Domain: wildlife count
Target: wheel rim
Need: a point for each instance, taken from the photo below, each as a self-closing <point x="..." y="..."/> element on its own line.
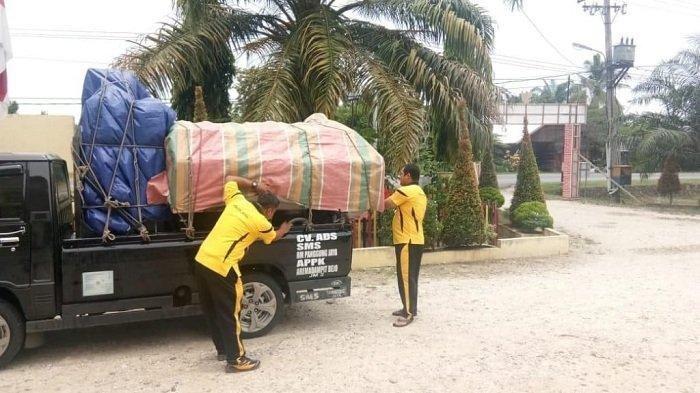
<point x="4" y="335"/>
<point x="259" y="307"/>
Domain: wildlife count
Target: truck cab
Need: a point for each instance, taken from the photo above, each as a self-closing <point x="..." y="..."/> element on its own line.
<point x="51" y="279"/>
<point x="35" y="217"/>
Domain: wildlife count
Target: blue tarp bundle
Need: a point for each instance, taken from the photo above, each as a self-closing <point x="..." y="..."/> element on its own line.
<point x="119" y="148"/>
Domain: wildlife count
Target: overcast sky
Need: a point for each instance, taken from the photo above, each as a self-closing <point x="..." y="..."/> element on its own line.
<point x="54" y="42"/>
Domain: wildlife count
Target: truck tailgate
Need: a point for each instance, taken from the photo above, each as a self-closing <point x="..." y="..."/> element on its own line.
<point x="305" y="256"/>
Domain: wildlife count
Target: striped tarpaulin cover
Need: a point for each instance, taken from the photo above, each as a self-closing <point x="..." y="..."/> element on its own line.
<point x="319" y="163"/>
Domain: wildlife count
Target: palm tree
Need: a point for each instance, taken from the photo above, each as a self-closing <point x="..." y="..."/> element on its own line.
<point x="595" y="80"/>
<point x="676" y="132"/>
<point x="653" y="138"/>
<point x="676" y="85"/>
<point x="312" y="53"/>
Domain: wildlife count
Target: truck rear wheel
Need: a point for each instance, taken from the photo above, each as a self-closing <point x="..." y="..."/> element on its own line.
<point x="11" y="332"/>
<point x="262" y="306"/>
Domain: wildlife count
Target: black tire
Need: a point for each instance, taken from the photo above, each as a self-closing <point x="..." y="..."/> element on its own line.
<point x="270" y="294"/>
<point x="12" y="327"/>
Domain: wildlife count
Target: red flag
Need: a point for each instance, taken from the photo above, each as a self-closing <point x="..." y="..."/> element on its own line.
<point x="5" y="55"/>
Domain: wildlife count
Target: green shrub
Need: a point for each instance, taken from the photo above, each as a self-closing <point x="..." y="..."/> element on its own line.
<point x="488" y="170"/>
<point x="530" y="216"/>
<point x="432" y="227"/>
<point x="527" y="187"/>
<point x="464" y="222"/>
<point x="384" y="233"/>
<point x="491" y="195"/>
<point x="669" y="183"/>
<point x="437" y="191"/>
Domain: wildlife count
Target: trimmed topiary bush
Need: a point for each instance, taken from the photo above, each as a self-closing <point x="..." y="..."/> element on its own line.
<point x="530" y="216"/>
<point x="464" y="223"/>
<point x="432" y="227"/>
<point x="669" y="184"/>
<point x="488" y="170"/>
<point x="527" y="188"/>
<point x="491" y="195"/>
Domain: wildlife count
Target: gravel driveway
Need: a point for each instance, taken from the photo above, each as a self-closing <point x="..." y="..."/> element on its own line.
<point x="619" y="314"/>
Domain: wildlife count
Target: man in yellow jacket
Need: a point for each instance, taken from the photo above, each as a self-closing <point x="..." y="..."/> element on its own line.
<point x="410" y="203"/>
<point x="218" y="275"/>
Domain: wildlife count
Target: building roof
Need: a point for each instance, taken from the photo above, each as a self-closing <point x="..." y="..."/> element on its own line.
<point x="509" y="134"/>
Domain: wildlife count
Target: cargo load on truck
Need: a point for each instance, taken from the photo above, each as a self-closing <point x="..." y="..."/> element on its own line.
<point x="317" y="164"/>
<point x="137" y="167"/>
<point x="118" y="148"/>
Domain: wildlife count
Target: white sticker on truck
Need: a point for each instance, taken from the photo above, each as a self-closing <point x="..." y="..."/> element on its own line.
<point x="313" y="254"/>
<point x="98" y="283"/>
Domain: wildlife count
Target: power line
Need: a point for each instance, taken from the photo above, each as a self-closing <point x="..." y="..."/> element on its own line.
<point x="546" y="39"/>
<point x="536" y="61"/>
<point x="532" y="66"/>
<point x="671" y="3"/>
<point x="74" y="31"/>
<point x="61" y="60"/>
<point x="502" y="81"/>
<point x="74" y="37"/>
<point x="669" y="8"/>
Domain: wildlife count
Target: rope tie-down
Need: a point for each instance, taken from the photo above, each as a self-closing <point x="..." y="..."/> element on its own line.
<point x="108" y="163"/>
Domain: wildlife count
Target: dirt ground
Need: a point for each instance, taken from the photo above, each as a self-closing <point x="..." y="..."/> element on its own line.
<point x="619" y="314"/>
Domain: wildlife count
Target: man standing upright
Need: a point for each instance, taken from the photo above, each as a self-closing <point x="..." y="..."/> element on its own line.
<point x="407" y="228"/>
<point x="218" y="275"/>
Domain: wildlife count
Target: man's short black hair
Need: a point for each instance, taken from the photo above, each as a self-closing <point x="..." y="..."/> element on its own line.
<point x="268" y="200"/>
<point x="413" y="170"/>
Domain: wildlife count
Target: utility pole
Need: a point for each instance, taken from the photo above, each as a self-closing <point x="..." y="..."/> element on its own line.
<point x="610" y="149"/>
<point x="610" y="96"/>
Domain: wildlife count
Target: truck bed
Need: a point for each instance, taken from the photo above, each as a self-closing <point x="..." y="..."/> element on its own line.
<point x="129" y="268"/>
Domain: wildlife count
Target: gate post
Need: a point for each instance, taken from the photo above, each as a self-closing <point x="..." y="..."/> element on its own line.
<point x="570" y="161"/>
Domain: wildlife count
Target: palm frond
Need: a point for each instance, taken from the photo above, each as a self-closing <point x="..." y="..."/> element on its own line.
<point x="463" y="28"/>
<point x="514" y="4"/>
<point x="400" y="113"/>
<point x="441" y="81"/>
<point x="652" y="137"/>
<point x="179" y="51"/>
<point x="322" y="42"/>
<point x="460" y="97"/>
<point x="274" y="90"/>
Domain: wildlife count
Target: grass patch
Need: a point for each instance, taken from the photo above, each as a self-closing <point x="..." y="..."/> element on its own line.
<point x="644" y="189"/>
<point x="551" y="188"/>
<point x="554" y="188"/>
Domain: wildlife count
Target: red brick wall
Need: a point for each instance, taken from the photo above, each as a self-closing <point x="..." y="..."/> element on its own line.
<point x="570" y="161"/>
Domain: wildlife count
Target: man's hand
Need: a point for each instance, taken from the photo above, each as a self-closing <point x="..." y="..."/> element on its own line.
<point x="282" y="230"/>
<point x="247" y="184"/>
<point x="263" y="187"/>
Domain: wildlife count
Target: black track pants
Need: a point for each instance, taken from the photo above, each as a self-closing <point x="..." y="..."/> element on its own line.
<point x="408" y="257"/>
<point x="221" y="298"/>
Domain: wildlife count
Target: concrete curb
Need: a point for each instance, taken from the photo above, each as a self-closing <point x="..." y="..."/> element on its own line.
<point x="553" y="243"/>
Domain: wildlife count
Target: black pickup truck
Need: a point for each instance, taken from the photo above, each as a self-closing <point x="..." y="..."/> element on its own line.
<point x="51" y="279"/>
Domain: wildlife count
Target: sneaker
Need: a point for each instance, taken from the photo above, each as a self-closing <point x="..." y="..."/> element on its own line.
<point x="403" y="321"/>
<point x="242" y="364"/>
